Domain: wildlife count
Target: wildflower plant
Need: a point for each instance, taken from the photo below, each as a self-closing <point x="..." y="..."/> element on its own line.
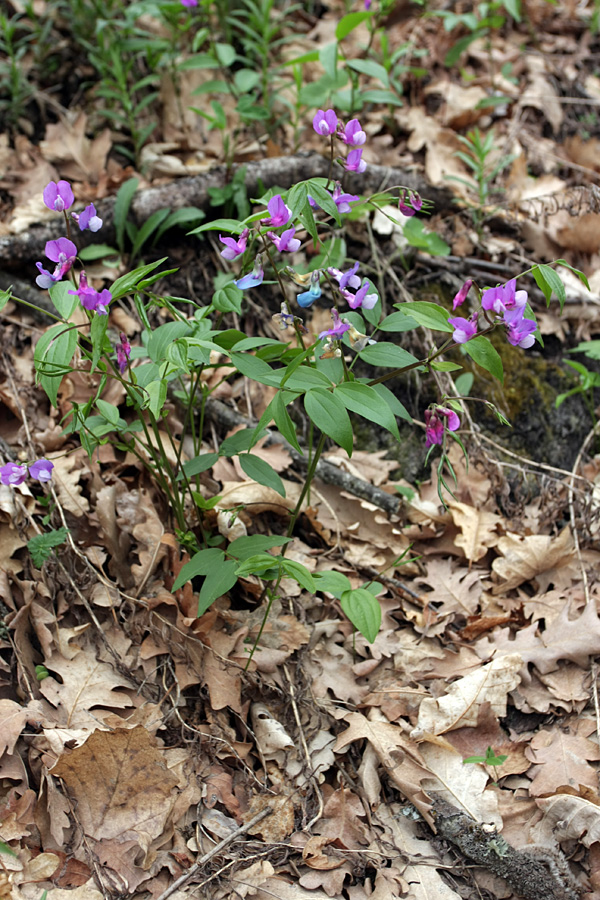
<point x="314" y="372"/>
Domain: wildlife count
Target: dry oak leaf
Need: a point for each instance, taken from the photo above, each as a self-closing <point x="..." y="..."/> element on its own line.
<point x="461" y="704"/>
<point x="121" y="785"/>
<point x="560" y="759"/>
<point x="565" y="638"/>
<point x="478" y="529"/>
<point x="460" y="784"/>
<point x="569" y="816"/>
<point x="13" y="719"/>
<point x="526" y="557"/>
<point x="397" y="754"/>
<point x="87" y="685"/>
<point x="456" y="589"/>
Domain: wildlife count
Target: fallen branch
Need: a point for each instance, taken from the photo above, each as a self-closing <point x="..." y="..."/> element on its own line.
<point x="283" y="172"/>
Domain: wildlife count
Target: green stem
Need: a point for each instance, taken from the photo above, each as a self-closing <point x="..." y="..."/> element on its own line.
<point x="38" y="308"/>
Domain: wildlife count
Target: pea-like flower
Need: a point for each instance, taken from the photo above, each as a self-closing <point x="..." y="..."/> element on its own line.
<point x="12" y="474"/>
<point x="358" y="341"/>
<point x="461" y="296"/>
<point x="415" y="203"/>
<point x="253" y="278"/>
<point x="307" y="298"/>
<point x="284" y="319"/>
<point x="41" y="470"/>
<point x="325" y="122"/>
<point x="280" y="214"/>
<point x="343" y="200"/>
<point x="464" y="329"/>
<point x="123" y="352"/>
<point x="58" y="195"/>
<point x="435" y="421"/>
<point x="62" y="252"/>
<point x="353" y="134"/>
<point x="234" y="248"/>
<point x="361" y="299"/>
<point x="346" y="279"/>
<point x="519" y="331"/>
<point x="286" y="242"/>
<point x="90" y="299"/>
<point x="189" y="2"/>
<point x="340" y="327"/>
<point x="354" y="162"/>
<point x="504" y="297"/>
<point x="88" y="219"/>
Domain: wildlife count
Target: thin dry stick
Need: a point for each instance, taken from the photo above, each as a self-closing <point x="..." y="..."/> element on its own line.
<point x="183" y="879"/>
<point x="305" y="749"/>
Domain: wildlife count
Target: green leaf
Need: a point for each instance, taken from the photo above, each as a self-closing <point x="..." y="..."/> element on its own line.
<point x="380" y="95"/>
<point x="121" y="209"/>
<point x="485" y="355"/>
<point x="164" y="335"/>
<point x="108" y="411"/>
<point x="398" y="321"/>
<point x="232" y="226"/>
<point x="549" y="282"/>
<point x="150" y="225"/>
<point x="590" y="348"/>
<point x="387" y="355"/>
<point x="217" y="582"/>
<point x="64" y="303"/>
<point x="443" y="366"/>
<point x="126" y="283"/>
<point x="239" y="442"/>
<point x="299" y="573"/>
<point x="332" y="582"/>
<point x="259" y="470"/>
<point x="417" y="236"/>
<point x="228" y="299"/>
<point x="581" y="275"/>
<point x="366" y="402"/>
<point x="259" y="564"/>
<point x="297" y="198"/>
<point x="100" y="343"/>
<point x="429" y="315"/>
<point x="254" y="368"/>
<point x="250" y="545"/>
<point x="329" y="414"/>
<point x="397" y="408"/>
<point x="40" y="547"/>
<point x="4" y="848"/>
<point x="96" y="251"/>
<point x="349" y="23"/>
<point x="157" y="395"/>
<point x="283" y="421"/>
<point x="201" y="563"/>
<point x="53" y="354"/>
<point x="323" y="198"/>
<point x="371" y="68"/>
<point x="363" y="610"/>
<point x="4" y="298"/>
<point x="200" y="464"/>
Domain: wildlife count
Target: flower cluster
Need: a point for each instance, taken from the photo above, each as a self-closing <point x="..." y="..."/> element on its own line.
<point x="436" y="420"/>
<point x="123" y="352"/>
<point x="15" y="474"/>
<point x="415" y="201"/>
<point x="325" y="122"/>
<point x="90" y="299"/>
<point x="63" y="253"/>
<point x="507" y="303"/>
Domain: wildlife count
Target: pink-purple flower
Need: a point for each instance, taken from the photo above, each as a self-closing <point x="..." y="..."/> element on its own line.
<point x="464" y="329"/>
<point x="234" y="248"/>
<point x="88" y="219"/>
<point x="346" y="279"/>
<point x="461" y="296"/>
<point x="343" y="200"/>
<point x="353" y="135"/>
<point x="361" y="299"/>
<point x="286" y="242"/>
<point x="354" y="162"/>
<point x="519" y="331"/>
<point x="12" y="474"/>
<point x="62" y="252"/>
<point x="280" y="214"/>
<point x="90" y="299"/>
<point x="504" y="297"/>
<point x="340" y="327"/>
<point x="415" y="201"/>
<point x="189" y="2"/>
<point x="253" y="278"/>
<point x="58" y="195"/>
<point x="325" y="122"/>
<point x="435" y="421"/>
<point x="123" y="352"/>
<point x="41" y="470"/>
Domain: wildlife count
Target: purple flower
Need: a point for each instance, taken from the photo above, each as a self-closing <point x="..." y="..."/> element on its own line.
<point x="62" y="252"/>
<point x="286" y="320"/>
<point x="88" y="219"/>
<point x="280" y="213"/>
<point x="189" y="2"/>
<point x="346" y="279"/>
<point x="41" y="470"/>
<point x="354" y="162"/>
<point x="415" y="203"/>
<point x="12" y="474"/>
<point x="58" y="195"/>
<point x="342" y="200"/>
<point x="361" y="299"/>
<point x="314" y="292"/>
<point x="91" y="299"/>
<point x="339" y="327"/>
<point x="352" y="134"/>
<point x="460" y="298"/>
<point x="519" y="331"/>
<point x="253" y="278"/>
<point x="504" y="297"/>
<point x="123" y="352"/>
<point x="234" y="248"/>
<point x="325" y="122"/>
<point x="367" y="5"/>
<point x="434" y="424"/>
<point x="285" y="242"/>
<point x="464" y="329"/>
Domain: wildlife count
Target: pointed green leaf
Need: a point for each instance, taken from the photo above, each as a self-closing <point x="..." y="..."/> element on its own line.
<point x="363" y="610"/>
<point x="329" y="414"/>
<point x="259" y="470"/>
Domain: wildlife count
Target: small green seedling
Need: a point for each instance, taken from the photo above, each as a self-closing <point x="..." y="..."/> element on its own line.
<point x="491" y="758"/>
